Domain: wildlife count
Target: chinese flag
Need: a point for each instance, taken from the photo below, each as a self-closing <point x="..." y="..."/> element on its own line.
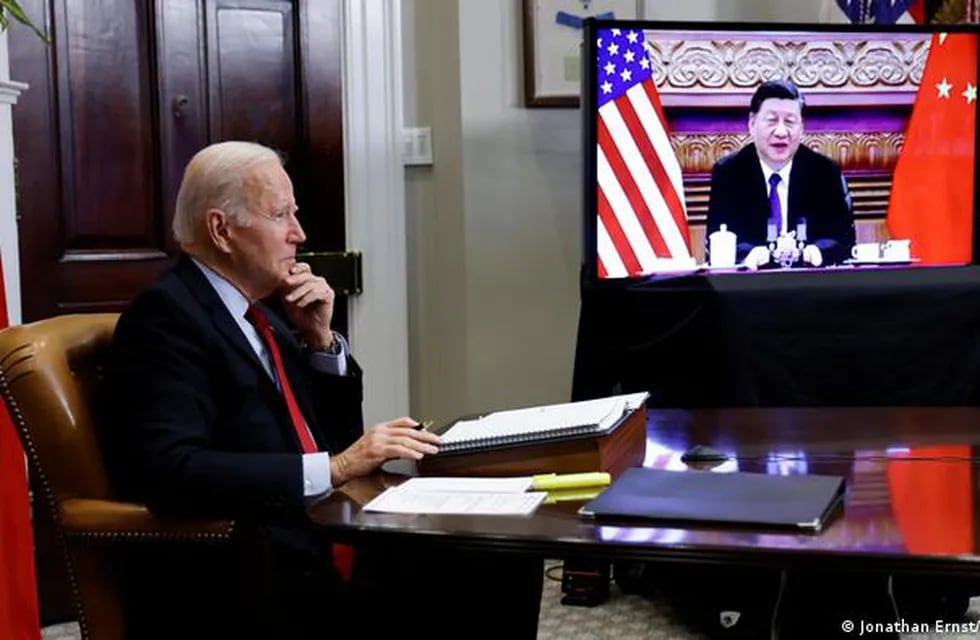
<point x="932" y="192"/>
<point x="19" y="619"/>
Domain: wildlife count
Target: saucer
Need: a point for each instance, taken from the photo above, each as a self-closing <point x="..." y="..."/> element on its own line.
<point x="881" y="262"/>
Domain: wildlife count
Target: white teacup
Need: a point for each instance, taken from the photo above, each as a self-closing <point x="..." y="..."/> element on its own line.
<point x="897" y="250"/>
<point x="866" y="251"/>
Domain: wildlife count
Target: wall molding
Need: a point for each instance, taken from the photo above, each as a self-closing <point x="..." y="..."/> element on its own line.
<point x="10" y="91"/>
<point x="375" y="201"/>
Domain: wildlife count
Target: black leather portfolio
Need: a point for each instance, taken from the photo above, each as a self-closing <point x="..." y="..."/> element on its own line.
<point x="801" y="502"/>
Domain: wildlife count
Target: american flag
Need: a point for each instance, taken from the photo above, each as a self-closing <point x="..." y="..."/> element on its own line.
<point x="642" y="220"/>
<point x="873" y="11"/>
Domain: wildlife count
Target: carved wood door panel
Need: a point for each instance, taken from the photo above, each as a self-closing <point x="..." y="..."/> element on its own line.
<point x="125" y="94"/>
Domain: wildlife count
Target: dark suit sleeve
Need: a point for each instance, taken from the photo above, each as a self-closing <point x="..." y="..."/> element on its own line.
<point x="827" y="207"/>
<point x="166" y="422"/>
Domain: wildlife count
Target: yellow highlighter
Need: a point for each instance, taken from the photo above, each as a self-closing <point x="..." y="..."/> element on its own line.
<point x="581" y="493"/>
<point x="554" y="482"/>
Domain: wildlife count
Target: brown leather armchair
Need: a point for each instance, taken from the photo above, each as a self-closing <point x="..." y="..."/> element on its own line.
<point x="49" y="371"/>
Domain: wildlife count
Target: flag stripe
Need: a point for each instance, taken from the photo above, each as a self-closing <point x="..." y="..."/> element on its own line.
<point x="661" y="141"/>
<point x="649" y="155"/>
<point x="608" y="255"/>
<point x="615" y="231"/>
<point x="654" y="147"/>
<point x="643" y="182"/>
<point x="630" y="222"/>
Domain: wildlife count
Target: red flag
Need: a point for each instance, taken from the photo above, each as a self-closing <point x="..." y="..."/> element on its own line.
<point x="932" y="500"/>
<point x="642" y="219"/>
<point x="19" y="618"/>
<point x="932" y="192"/>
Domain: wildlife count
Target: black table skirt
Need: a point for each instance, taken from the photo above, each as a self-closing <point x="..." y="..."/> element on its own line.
<point x="829" y="338"/>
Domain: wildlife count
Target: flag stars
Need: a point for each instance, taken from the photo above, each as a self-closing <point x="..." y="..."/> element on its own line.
<point x="617" y="32"/>
<point x="606" y="87"/>
<point x="610" y="68"/>
<point x="970" y="94"/>
<point x="626" y="75"/>
<point x="629" y="55"/>
<point x="644" y="64"/>
<point x="632" y="36"/>
<point x="613" y="49"/>
<point x="598" y="43"/>
<point x="943" y="88"/>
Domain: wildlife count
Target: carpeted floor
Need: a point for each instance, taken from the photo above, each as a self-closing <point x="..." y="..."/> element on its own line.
<point x="621" y="616"/>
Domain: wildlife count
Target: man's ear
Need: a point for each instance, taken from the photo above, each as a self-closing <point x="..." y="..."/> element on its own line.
<point x="219" y="229"/>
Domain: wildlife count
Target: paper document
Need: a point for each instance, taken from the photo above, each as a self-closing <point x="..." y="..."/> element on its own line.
<point x="470" y="496"/>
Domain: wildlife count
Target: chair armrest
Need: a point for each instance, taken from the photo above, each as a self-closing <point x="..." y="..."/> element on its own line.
<point x="109" y="519"/>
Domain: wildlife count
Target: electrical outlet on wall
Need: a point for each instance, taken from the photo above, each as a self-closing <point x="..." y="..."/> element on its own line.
<point x="417" y="145"/>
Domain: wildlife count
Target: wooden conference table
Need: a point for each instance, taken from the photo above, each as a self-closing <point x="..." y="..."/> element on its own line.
<point x="910" y="506"/>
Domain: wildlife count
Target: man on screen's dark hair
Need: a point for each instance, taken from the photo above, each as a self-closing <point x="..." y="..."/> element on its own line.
<point x="812" y="194"/>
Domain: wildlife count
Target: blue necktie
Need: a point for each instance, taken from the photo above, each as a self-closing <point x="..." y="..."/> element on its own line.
<point x="775" y="209"/>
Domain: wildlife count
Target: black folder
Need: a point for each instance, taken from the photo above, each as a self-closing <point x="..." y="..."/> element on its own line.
<point x="800" y="502"/>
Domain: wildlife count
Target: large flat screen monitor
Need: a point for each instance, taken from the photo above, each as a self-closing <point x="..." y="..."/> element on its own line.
<point x="745" y="148"/>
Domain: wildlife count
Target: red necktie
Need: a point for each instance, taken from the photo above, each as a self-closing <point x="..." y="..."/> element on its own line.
<point x="258" y="319"/>
<point x="343" y="555"/>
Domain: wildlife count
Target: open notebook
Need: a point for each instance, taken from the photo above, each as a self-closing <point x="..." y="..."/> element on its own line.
<point x="535" y="424"/>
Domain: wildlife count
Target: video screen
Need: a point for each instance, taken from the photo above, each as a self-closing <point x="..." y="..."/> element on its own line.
<point x="726" y="148"/>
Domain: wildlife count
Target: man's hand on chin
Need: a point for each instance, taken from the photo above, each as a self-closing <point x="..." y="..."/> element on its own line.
<point x="308" y="303"/>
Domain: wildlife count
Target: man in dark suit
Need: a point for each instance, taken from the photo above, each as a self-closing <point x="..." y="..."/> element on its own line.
<point x="776" y="194"/>
<point x="216" y="406"/>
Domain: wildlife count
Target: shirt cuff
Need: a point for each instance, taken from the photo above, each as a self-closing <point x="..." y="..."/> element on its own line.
<point x="316" y="474"/>
<point x="333" y="361"/>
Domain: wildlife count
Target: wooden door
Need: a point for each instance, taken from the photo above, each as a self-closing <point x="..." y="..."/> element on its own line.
<point x="123" y="97"/>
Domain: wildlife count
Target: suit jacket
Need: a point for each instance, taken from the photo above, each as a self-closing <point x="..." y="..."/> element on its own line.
<point x="817" y="193"/>
<point x="191" y="422"/>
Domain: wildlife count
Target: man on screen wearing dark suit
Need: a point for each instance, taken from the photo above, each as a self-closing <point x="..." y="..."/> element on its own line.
<point x="777" y="193"/>
<point x="215" y="405"/>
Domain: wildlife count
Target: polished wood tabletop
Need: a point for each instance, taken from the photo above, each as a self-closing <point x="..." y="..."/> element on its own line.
<point x="910" y="502"/>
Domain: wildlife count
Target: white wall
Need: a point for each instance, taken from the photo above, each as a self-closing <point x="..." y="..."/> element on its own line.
<point x="522" y="198"/>
<point x="494" y="225"/>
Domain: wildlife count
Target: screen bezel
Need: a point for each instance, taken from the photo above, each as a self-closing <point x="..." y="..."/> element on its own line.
<point x="589" y="88"/>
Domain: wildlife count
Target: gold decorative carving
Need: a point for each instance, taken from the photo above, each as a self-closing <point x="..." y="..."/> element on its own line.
<point x="697" y="153"/>
<point x="724" y="63"/>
